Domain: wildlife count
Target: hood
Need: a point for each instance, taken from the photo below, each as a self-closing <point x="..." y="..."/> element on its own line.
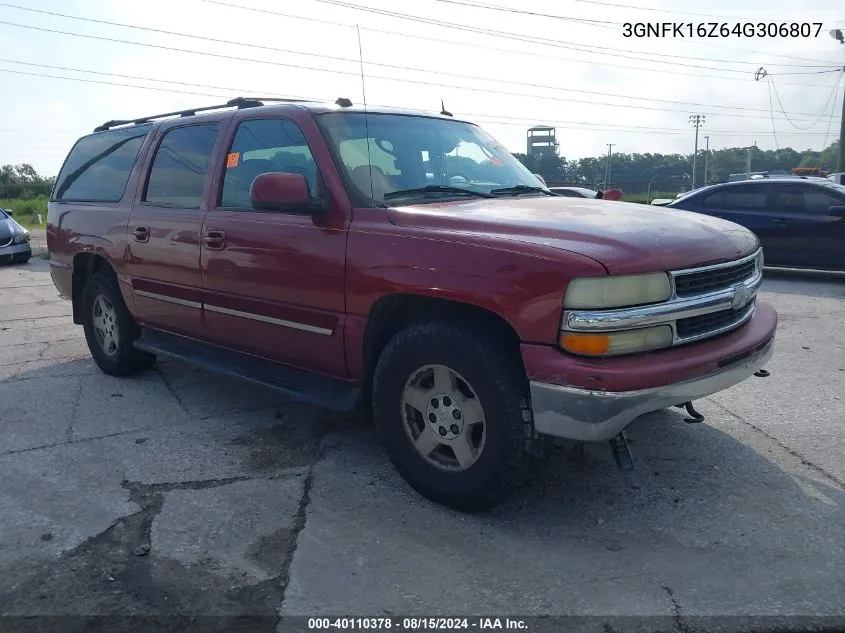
<point x="625" y="238"/>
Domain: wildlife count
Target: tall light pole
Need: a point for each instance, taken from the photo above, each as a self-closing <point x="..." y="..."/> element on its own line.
<point x="706" y="154"/>
<point x="607" y="165"/>
<point x="697" y="120"/>
<point x="840" y="163"/>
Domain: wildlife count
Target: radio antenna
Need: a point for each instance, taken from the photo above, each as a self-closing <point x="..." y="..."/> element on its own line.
<point x="366" y="118"/>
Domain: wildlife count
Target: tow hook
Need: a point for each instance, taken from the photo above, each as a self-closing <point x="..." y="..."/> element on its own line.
<point x="621" y="452"/>
<point x="695" y="416"/>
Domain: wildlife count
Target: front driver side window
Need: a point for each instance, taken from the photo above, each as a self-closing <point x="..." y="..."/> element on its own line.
<point x="261" y="146"/>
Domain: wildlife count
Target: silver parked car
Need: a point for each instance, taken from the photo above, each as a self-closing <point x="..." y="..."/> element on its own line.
<point x="14" y="240"/>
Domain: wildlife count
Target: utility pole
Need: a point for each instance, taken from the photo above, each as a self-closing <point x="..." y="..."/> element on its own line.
<point x="697" y="120"/>
<point x="840" y="163"/>
<point x="607" y="165"/>
<point x="706" y="154"/>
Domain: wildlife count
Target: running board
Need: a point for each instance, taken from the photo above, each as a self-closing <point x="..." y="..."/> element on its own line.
<point x="304" y="386"/>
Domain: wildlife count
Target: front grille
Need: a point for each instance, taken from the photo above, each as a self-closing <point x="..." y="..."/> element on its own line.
<point x="702" y="282"/>
<point x="712" y="322"/>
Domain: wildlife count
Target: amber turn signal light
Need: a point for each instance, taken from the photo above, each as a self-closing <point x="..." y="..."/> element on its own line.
<point x="587" y="344"/>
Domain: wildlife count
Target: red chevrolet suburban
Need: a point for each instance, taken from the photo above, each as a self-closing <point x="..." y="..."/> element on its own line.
<point x="404" y="264"/>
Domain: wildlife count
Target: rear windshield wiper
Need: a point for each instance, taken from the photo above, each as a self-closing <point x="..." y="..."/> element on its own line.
<point x="435" y="189"/>
<point x="520" y="189"/>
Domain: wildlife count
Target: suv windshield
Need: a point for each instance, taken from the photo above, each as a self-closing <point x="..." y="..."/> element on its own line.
<point x="401" y="158"/>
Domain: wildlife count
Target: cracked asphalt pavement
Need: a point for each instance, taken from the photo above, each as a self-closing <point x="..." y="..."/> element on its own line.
<point x="183" y="492"/>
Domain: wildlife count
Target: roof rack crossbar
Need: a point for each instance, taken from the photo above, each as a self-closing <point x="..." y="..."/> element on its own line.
<point x="239" y="102"/>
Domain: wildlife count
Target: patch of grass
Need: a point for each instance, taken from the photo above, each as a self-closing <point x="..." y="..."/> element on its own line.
<point x="25" y="211"/>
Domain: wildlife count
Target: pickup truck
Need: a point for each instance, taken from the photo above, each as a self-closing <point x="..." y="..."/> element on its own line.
<point x="405" y="265"/>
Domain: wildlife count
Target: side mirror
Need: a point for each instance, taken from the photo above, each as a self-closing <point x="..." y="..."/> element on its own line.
<point x="541" y="179"/>
<point x="9" y="212"/>
<point x="837" y="210"/>
<point x="276" y="191"/>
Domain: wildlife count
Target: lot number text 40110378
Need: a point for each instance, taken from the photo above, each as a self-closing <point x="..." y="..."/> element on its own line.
<point x="721" y="29"/>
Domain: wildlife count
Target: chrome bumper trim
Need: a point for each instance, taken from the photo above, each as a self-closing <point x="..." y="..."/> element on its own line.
<point x="585" y="415"/>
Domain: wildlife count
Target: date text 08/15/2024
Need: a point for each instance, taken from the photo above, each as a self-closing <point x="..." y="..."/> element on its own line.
<point x="722" y="29"/>
<point x="417" y="624"/>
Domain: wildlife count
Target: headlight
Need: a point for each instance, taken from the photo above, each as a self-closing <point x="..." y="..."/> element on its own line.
<point x="20" y="238"/>
<point x="596" y="293"/>
<point x="615" y="343"/>
<point x="760" y="261"/>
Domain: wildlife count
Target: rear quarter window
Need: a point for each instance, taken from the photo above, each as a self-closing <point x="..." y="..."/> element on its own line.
<point x="98" y="167"/>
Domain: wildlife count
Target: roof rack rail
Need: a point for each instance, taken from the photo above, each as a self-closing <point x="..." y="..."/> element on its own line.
<point x="238" y="102"/>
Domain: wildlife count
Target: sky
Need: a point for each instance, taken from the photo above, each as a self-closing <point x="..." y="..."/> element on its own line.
<point x="500" y="65"/>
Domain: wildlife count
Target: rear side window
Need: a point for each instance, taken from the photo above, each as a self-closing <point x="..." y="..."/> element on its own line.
<point x="177" y="177"/>
<point x="98" y="167"/>
<point x="746" y="198"/>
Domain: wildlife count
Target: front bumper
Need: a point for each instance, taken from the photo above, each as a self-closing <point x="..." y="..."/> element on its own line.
<point x="585" y="414"/>
<point x="14" y="249"/>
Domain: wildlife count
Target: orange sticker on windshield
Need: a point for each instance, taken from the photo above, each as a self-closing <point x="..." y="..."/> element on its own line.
<point x="495" y="161"/>
<point x="232" y="160"/>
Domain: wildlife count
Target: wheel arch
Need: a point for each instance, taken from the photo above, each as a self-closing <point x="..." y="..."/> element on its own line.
<point x="85" y="265"/>
<point x="391" y="313"/>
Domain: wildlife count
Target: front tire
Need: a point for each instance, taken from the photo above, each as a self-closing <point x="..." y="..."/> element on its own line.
<point x="453" y="410"/>
<point x="109" y="328"/>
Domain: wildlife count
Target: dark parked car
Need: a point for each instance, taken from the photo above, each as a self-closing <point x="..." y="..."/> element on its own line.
<point x="14" y="240"/>
<point x="800" y="223"/>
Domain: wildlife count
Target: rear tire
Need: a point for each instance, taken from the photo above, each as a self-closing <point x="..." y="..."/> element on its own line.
<point x="110" y="329"/>
<point x="454" y="413"/>
<point x="21" y="258"/>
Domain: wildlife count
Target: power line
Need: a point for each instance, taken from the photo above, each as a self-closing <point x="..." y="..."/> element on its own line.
<point x="504" y="34"/>
<point x="602" y="94"/>
<point x="532" y="13"/>
<point x="511" y="120"/>
<point x="503" y="50"/>
<point x="612" y="52"/>
<point x="672" y="11"/>
<point x="353" y="73"/>
<point x="580" y="48"/>
<point x="772" y="112"/>
<point x="819" y="118"/>
<point x="832" y="109"/>
<point x="600" y="23"/>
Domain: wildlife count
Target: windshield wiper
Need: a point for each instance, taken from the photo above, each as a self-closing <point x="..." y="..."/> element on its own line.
<point x="520" y="189"/>
<point x="435" y="189"/>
